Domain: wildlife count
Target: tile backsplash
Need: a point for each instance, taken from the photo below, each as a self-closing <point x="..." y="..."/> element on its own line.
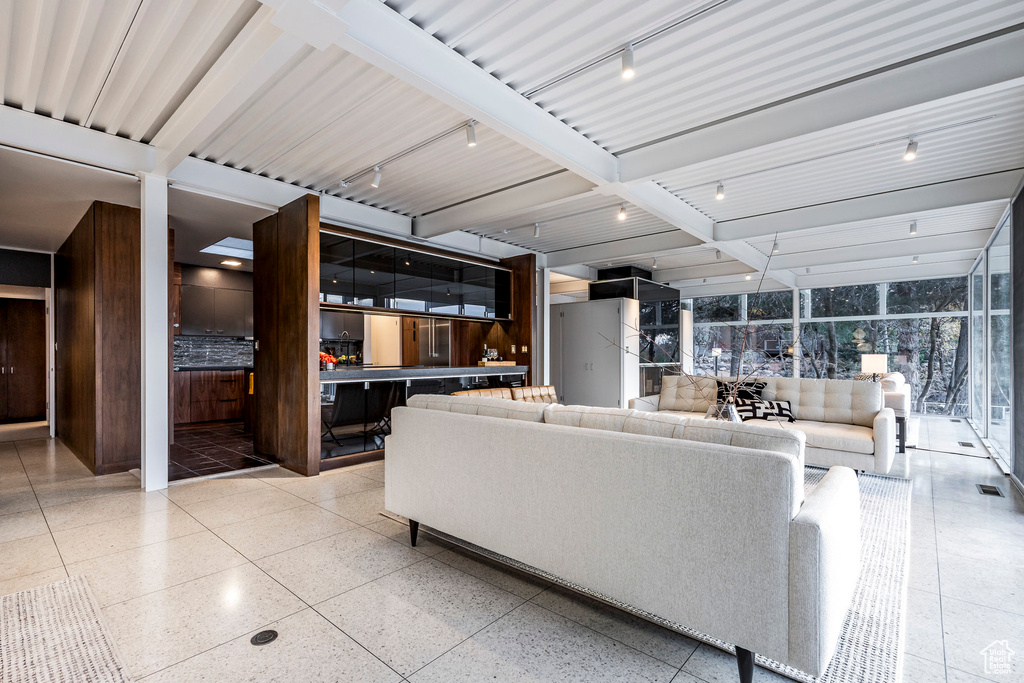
<point x="198" y="352"/>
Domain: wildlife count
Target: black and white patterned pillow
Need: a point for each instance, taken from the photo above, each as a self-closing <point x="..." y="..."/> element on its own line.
<point x="750" y="391"/>
<point x="759" y="409"/>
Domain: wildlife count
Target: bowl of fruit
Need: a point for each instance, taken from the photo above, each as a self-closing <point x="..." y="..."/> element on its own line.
<point x="327" y="361"/>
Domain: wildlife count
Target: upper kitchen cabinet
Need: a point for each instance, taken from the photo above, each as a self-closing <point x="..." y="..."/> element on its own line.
<point x="216" y="303"/>
<point x="198" y="310"/>
<point x="393" y="277"/>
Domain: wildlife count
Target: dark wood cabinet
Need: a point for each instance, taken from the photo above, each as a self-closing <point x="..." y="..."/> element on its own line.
<point x="22" y="360"/>
<point x="215" y="312"/>
<point x="212" y="395"/>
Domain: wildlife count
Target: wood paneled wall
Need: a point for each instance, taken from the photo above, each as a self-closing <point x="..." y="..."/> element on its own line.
<point x="286" y="276"/>
<point x="98" y="334"/>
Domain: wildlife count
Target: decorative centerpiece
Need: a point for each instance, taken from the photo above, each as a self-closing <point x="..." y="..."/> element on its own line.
<point x="723" y="411"/>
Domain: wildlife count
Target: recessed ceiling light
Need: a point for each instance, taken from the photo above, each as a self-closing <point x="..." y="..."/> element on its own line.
<point x="230" y="262"/>
<point x="627" y="63"/>
<point x="911" y="152"/>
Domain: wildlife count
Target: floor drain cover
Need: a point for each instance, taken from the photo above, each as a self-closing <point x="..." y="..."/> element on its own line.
<point x="988" y="490"/>
<point x="264" y="637"/>
<point x="966" y="444"/>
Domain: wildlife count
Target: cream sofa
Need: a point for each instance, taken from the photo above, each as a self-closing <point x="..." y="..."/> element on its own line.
<point x="700" y="523"/>
<point x="846" y="421"/>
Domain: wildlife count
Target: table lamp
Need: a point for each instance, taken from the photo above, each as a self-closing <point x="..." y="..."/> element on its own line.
<point x="874" y="363"/>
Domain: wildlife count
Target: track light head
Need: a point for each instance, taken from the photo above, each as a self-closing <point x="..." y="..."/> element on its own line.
<point x="747" y="276"/>
<point x="911" y="152"/>
<point x="807" y="271"/>
<point x="376" y="177"/>
<point x="628" y="72"/>
<point x="775" y="247"/>
<point x="915" y="260"/>
<point x="720" y="192"/>
<point x="913" y="227"/>
<point x="536" y="230"/>
<point x="654" y="264"/>
<point x="718" y="254"/>
<point x="622" y="212"/>
<point x="471" y="134"/>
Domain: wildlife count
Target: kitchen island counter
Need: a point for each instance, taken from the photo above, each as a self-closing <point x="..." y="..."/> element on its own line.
<point x="370" y="373"/>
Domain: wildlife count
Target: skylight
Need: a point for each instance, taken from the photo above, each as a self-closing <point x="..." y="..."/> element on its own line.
<point x="231" y="246"/>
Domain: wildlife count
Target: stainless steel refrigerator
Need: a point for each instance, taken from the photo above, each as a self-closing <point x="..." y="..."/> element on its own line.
<point x="435" y="342"/>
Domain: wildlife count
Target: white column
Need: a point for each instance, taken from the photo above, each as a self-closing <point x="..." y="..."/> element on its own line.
<point x="797" y="354"/>
<point x="542" y="342"/>
<point x="155" y="347"/>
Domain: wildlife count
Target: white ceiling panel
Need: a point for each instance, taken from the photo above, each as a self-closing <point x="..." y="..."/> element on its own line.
<point x="736" y="56"/>
<point x="327" y="116"/>
<point x="121" y="66"/>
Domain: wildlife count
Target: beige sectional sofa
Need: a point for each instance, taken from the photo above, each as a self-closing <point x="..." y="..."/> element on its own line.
<point x="700" y="523"/>
<point x="846" y="421"/>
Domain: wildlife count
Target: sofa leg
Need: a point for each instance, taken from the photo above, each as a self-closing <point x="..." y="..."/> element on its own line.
<point x="414" y="528"/>
<point x="745" y="661"/>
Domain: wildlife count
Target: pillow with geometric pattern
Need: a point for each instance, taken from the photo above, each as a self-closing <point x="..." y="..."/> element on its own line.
<point x="759" y="409"/>
<point x="747" y="390"/>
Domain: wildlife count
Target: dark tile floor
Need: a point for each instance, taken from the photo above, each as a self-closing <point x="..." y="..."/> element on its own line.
<point x="202" y="451"/>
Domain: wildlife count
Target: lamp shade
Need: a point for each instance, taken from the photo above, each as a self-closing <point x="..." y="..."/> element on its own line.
<point x="874" y="363"/>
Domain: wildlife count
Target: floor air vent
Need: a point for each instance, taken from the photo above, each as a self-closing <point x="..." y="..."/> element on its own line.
<point x="988" y="490"/>
<point x="955" y="419"/>
<point x="966" y="444"/>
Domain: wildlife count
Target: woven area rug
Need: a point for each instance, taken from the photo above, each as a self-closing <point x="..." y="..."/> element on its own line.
<point x="55" y="634"/>
<point x="870" y="649"/>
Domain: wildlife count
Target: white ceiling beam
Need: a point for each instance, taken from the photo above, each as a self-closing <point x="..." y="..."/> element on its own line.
<point x="742" y="251"/>
<point x="659" y="202"/>
<point x="507" y="204"/>
<point x="689" y="289"/>
<point x="905" y="247"/>
<point x="385" y="39"/>
<point x="969" y="71"/>
<point x="708" y="270"/>
<point x="253" y="58"/>
<point x="578" y="271"/>
<point x="920" y="271"/>
<point x="985" y="188"/>
<point x="619" y="250"/>
<point x="50" y="137"/>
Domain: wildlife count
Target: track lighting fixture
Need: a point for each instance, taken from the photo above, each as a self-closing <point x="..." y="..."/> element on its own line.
<point x="807" y="271"/>
<point x="627" y="63"/>
<point x="471" y="134"/>
<point x="376" y="177"/>
<point x="915" y="260"/>
<point x="747" y="276"/>
<point x="913" y="227"/>
<point x="718" y="254"/>
<point x="622" y="212"/>
<point x="335" y="280"/>
<point x="720" y="192"/>
<point x="536" y="230"/>
<point x="911" y="152"/>
<point x="775" y="247"/>
<point x="654" y="265"/>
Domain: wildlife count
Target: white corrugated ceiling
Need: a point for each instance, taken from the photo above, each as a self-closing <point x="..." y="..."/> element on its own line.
<point x="121" y="66"/>
<point x="734" y="57"/>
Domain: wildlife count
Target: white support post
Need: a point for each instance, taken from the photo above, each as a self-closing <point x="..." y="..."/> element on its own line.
<point x="155" y="346"/>
<point x="797" y="354"/>
<point x="542" y="344"/>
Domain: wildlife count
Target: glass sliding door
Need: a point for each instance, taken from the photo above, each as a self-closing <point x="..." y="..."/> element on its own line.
<point x="978" y="347"/>
<point x="1000" y="392"/>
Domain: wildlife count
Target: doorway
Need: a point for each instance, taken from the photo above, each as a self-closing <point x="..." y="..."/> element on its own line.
<point x="23" y="378"/>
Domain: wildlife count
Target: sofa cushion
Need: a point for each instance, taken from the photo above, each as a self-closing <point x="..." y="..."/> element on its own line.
<point x="501" y="392"/>
<point x="689" y="393"/>
<point x="829" y="435"/>
<point x="480" y="405"/>
<point x="588" y="417"/>
<point x="831" y="400"/>
<point x="759" y="409"/>
<point x="664" y="423"/>
<point x="542" y="394"/>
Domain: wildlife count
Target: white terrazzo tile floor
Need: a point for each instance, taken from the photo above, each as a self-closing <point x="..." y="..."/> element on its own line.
<point x="186" y="576"/>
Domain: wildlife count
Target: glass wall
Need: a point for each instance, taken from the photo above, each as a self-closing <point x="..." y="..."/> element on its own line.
<point x="999" y="338"/>
<point x="978" y="346"/>
<point x="923" y="326"/>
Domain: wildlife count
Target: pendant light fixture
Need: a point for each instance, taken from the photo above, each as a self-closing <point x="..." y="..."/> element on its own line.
<point x="911" y="152"/>
<point x="376" y="177"/>
<point x="471" y="134"/>
<point x="720" y="192"/>
<point x="628" y="72"/>
<point x="622" y="212"/>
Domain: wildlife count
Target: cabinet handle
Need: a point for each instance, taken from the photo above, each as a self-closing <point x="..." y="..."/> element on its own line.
<point x="209" y="330"/>
<point x="220" y="331"/>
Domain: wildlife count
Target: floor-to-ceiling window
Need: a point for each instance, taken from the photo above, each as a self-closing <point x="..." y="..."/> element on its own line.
<point x="978" y="346"/>
<point x="999" y="338"/>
